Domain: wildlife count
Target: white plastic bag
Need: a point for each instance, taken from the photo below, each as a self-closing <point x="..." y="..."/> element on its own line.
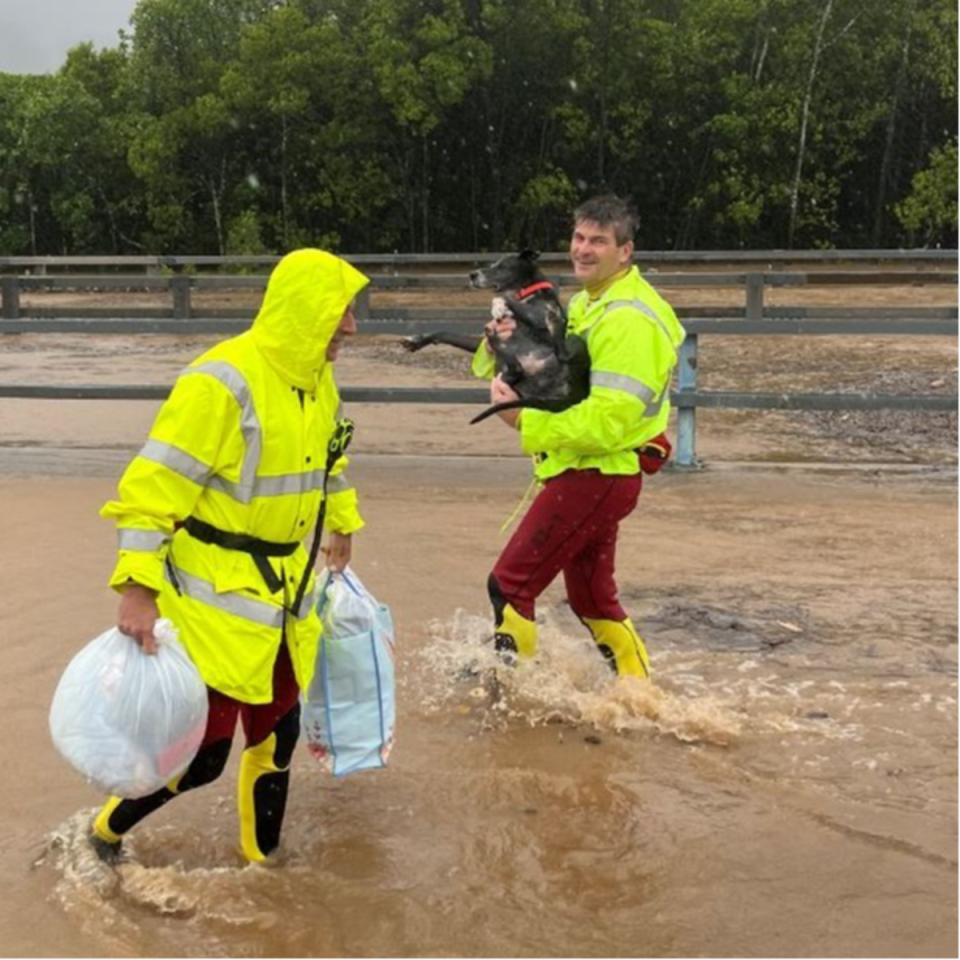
<point x="349" y="712"/>
<point x="127" y="721"/>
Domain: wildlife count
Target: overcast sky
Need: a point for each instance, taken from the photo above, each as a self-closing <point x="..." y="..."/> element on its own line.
<point x="35" y="35"/>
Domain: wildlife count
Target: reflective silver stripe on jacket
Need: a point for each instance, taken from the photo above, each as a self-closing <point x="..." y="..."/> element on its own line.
<point x="653" y="403"/>
<point x="250" y="429"/>
<point x="203" y="591"/>
<point x="250" y="485"/>
<point x="647" y="311"/>
<point x="299" y="483"/>
<point x="145" y="541"/>
<point x="309" y="600"/>
<point x="183" y="464"/>
<point x="643" y="308"/>
<point x="619" y="381"/>
<point x="248" y="608"/>
<point x="636" y="388"/>
<point x="654" y="408"/>
<point x="177" y="460"/>
<point x="289" y="483"/>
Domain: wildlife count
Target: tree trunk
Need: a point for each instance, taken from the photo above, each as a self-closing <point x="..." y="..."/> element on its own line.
<point x="425" y="196"/>
<point x="217" y="215"/>
<point x="33" y="223"/>
<point x="804" y="120"/>
<point x="763" y="42"/>
<point x="758" y="71"/>
<point x="111" y="220"/>
<point x="407" y="169"/>
<point x="284" y="198"/>
<point x="886" y="163"/>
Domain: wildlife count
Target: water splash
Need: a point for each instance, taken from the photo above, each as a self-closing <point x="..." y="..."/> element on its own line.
<point x="111" y="903"/>
<point x="568" y="682"/>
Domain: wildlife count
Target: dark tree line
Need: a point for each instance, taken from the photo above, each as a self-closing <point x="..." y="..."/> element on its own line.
<point x="234" y="126"/>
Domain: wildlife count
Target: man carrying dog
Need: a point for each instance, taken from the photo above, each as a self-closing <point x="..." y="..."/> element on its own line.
<point x="211" y="519"/>
<point x="590" y="458"/>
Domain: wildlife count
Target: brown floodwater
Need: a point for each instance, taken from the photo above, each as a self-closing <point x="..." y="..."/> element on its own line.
<point x="786" y="786"/>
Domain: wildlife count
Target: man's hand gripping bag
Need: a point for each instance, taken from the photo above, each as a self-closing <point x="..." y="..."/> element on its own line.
<point x="349" y="712"/>
<point x="129" y="722"/>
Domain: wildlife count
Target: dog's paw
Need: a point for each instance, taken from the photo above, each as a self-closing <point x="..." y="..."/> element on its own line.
<point x="499" y="309"/>
<point x="413" y="344"/>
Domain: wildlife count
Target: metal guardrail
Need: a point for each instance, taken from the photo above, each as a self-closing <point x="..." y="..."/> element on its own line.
<point x="755" y="318"/>
<point x="182" y="287"/>
<point x="687" y="398"/>
<point x="155" y="263"/>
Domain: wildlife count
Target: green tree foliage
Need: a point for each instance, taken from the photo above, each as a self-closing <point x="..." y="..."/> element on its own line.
<point x="59" y="147"/>
<point x="424" y="59"/>
<point x="261" y="125"/>
<point x="17" y="208"/>
<point x="930" y="209"/>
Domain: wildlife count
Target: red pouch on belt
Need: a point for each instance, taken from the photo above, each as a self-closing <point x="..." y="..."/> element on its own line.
<point x="654" y="453"/>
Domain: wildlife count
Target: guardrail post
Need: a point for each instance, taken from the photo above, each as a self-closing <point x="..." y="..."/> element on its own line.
<point x="687" y="416"/>
<point x="10" y="295"/>
<point x="180" y="286"/>
<point x="754" y="296"/>
<point x="362" y="310"/>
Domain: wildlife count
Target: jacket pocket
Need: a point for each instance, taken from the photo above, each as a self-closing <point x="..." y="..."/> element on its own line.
<point x="236" y="572"/>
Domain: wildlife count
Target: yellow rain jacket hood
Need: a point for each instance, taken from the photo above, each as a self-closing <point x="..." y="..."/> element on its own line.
<point x="306" y="297"/>
<point x="240" y="445"/>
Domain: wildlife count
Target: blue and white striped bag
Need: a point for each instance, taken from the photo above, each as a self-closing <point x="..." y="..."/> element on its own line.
<point x="349" y="711"/>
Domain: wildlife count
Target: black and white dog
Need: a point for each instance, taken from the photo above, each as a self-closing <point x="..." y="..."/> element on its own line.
<point x="548" y="369"/>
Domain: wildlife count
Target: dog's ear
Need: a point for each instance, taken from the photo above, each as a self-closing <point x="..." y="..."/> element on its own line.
<point x="528" y="254"/>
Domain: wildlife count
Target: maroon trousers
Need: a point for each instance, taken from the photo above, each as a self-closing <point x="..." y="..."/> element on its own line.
<point x="259" y="720"/>
<point x="571" y="527"/>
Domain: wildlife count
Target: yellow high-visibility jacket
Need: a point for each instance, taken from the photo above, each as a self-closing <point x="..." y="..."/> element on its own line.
<point x="633" y="338"/>
<point x="241" y="444"/>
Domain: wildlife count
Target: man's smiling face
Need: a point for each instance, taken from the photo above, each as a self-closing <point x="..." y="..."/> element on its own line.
<point x="596" y="254"/>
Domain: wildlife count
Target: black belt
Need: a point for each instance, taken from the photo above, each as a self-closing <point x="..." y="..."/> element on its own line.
<point x="258" y="549"/>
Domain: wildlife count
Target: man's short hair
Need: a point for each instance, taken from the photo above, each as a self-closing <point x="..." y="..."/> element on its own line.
<point x="610" y="211"/>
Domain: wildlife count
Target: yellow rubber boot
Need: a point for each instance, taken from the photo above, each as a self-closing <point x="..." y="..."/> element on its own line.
<point x="119" y="814"/>
<point x="621" y="645"/>
<point x="515" y="635"/>
<point x="101" y="824"/>
<point x="261" y="799"/>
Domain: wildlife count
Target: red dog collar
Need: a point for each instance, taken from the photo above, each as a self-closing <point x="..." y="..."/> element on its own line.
<point x="533" y="288"/>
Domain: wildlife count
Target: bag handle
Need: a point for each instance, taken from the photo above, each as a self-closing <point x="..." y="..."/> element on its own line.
<point x="340" y="439"/>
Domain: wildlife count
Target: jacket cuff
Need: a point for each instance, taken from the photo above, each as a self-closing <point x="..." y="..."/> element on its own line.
<point x="135" y="567"/>
<point x="483" y="364"/>
<point x="343" y="516"/>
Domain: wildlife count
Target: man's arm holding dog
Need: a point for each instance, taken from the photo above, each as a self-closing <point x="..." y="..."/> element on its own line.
<point x="501" y="392"/>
